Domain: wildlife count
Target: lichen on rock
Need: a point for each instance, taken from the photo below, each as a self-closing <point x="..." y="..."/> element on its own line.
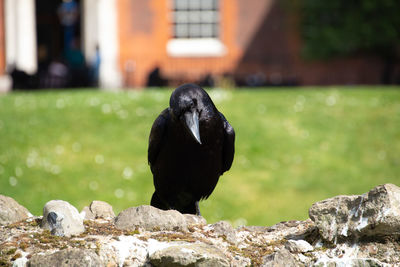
<point x="376" y="213"/>
<point x="343" y="231"/>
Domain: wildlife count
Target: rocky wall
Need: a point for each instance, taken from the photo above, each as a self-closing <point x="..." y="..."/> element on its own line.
<point x="342" y="231"/>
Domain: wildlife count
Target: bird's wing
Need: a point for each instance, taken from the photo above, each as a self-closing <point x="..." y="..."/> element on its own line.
<point x="228" y="150"/>
<point x="157" y="136"/>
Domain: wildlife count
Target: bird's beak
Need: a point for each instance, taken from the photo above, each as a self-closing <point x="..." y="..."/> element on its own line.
<point x="191" y="120"/>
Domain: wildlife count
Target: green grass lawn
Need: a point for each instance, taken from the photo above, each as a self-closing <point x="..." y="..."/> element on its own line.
<point x="293" y="147"/>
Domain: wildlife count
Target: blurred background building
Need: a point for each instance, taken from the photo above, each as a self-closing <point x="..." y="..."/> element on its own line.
<point x="134" y="43"/>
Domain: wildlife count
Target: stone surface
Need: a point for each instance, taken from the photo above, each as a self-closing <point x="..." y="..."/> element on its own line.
<point x="189" y="255"/>
<point x="350" y="263"/>
<point x="87" y="214"/>
<point x="283" y="230"/>
<point x="194" y="220"/>
<point x="11" y="211"/>
<point x="226" y="230"/>
<point x="20" y="262"/>
<point x="150" y="218"/>
<point x="298" y="246"/>
<point x="376" y="213"/>
<point x="292" y="243"/>
<point x="62" y="219"/>
<point x="256" y="246"/>
<point x="98" y="209"/>
<point x="281" y="258"/>
<point x="67" y="257"/>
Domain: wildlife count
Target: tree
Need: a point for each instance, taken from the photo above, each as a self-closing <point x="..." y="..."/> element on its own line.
<point x="343" y="27"/>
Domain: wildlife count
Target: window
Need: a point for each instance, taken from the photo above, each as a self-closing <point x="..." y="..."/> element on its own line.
<point x="195" y="29"/>
<point x="195" y="18"/>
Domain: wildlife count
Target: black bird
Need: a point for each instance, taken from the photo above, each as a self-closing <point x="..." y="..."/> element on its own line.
<point x="190" y="145"/>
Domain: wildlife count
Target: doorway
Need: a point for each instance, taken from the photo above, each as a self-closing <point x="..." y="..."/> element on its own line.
<point x="61" y="62"/>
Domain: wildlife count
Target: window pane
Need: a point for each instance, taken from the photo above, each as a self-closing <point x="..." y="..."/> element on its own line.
<point x="194" y="30"/>
<point x="207" y="4"/>
<point x="181" y="17"/>
<point x="194" y="4"/>
<point x="209" y="16"/>
<point x="194" y="16"/>
<point x="207" y="30"/>
<point x="181" y="30"/>
<point x="215" y="30"/>
<point x="181" y="4"/>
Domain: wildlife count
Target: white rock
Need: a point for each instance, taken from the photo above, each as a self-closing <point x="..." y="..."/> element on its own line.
<point x="98" y="209"/>
<point x="298" y="246"/>
<point x="62" y="219"/>
<point x="20" y="262"/>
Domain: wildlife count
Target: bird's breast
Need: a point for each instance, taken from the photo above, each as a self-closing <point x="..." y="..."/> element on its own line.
<point x="193" y="159"/>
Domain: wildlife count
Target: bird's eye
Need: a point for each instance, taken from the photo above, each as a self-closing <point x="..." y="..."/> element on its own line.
<point x="194" y="100"/>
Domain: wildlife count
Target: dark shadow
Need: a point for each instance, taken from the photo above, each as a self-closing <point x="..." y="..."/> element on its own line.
<point x="155" y="79"/>
<point x="22" y="80"/>
<point x="267" y="60"/>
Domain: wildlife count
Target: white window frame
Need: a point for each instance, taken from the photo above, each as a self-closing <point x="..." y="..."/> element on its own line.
<point x="195" y="47"/>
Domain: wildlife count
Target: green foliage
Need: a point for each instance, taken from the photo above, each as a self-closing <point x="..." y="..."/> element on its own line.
<point x="293" y="148"/>
<point x="340" y="27"/>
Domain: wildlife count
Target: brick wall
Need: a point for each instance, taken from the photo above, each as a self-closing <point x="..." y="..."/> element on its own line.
<point x="260" y="36"/>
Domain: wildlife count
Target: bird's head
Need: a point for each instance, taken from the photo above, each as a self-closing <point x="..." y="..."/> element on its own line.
<point x="186" y="104"/>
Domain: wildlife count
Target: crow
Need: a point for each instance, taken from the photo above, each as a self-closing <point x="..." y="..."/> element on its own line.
<point x="190" y="145"/>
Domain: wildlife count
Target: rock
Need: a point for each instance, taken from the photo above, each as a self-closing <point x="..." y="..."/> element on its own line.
<point x="225" y="229"/>
<point x="98" y="209"/>
<point x="376" y="213"/>
<point x="62" y="219"/>
<point x="365" y="227"/>
<point x="11" y="211"/>
<point x="20" y="262"/>
<point x="67" y="257"/>
<point x="298" y="246"/>
<point x="87" y="214"/>
<point x="294" y="230"/>
<point x="150" y="218"/>
<point x="189" y="255"/>
<point x="194" y="220"/>
<point x="349" y="262"/>
<point x="281" y="258"/>
<point x="201" y="246"/>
